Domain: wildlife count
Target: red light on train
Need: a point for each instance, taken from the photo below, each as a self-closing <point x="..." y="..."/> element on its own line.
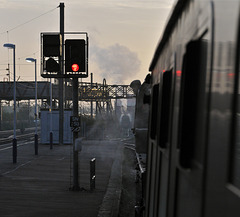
<point x="231" y="75"/>
<point x="178" y="72"/>
<point x="75" y="67"/>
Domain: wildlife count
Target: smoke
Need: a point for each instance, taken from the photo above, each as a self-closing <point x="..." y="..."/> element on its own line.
<point x="116" y="63"/>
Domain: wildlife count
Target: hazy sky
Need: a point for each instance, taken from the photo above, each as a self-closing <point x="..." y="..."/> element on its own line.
<point x="123" y="34"/>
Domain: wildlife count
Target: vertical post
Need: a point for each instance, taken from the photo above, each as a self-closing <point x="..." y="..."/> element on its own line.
<point x="96" y="109"/>
<point x="0" y="114"/>
<point x="28" y="112"/>
<point x="108" y="107"/>
<point x="91" y="99"/>
<point x="8" y="69"/>
<point x="36" y="110"/>
<point x="75" y="136"/>
<point x="50" y="110"/>
<point x="14" y="110"/>
<point x="92" y="173"/>
<point x="61" y="109"/>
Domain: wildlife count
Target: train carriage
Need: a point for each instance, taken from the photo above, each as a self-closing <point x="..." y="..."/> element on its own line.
<point x="193" y="160"/>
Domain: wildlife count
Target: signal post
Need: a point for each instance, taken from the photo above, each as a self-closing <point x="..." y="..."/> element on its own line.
<point x="53" y="49"/>
<point x="75" y="64"/>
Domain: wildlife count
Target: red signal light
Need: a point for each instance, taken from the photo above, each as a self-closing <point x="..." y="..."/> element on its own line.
<point x="178" y="72"/>
<point x="75" y="67"/>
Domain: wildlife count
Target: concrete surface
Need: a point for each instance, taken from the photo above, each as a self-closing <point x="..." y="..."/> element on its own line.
<point x="38" y="186"/>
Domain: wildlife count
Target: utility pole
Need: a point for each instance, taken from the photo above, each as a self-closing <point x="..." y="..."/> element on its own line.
<point x="61" y="97"/>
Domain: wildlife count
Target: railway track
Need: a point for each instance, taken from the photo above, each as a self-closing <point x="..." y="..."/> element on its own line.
<point x="7" y="133"/>
<point x="26" y="136"/>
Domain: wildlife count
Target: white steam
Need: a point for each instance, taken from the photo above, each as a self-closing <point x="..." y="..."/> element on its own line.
<point x="116" y="63"/>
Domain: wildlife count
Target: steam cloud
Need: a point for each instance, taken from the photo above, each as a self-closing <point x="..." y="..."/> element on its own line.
<point x="116" y="63"/>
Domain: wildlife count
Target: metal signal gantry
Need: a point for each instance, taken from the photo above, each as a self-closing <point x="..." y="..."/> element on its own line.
<point x="98" y="92"/>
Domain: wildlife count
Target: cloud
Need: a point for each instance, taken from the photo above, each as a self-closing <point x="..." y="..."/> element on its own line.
<point x="116" y="63"/>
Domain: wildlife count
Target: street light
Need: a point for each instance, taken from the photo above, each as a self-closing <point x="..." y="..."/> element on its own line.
<point x="35" y="112"/>
<point x="12" y="46"/>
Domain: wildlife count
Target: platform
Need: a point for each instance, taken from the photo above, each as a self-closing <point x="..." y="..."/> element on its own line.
<point x="38" y="186"/>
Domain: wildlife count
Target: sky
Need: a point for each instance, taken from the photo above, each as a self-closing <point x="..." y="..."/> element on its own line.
<point x="123" y="34"/>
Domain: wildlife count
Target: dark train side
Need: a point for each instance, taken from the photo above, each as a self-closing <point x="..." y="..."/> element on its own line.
<point x="193" y="145"/>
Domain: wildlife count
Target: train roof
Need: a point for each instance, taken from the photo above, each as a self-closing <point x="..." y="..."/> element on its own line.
<point x="176" y="12"/>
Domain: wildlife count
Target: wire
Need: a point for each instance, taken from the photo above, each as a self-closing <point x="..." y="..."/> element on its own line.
<point x="34" y="53"/>
<point x="7" y="32"/>
<point x="27" y="21"/>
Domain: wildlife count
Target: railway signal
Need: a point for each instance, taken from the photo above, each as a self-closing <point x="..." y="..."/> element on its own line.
<point x="51" y="45"/>
<point x="53" y="50"/>
<point x="75" y="58"/>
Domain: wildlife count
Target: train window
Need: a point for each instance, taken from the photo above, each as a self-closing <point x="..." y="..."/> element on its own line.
<point x="154" y="111"/>
<point x="165" y="108"/>
<point x="191" y="100"/>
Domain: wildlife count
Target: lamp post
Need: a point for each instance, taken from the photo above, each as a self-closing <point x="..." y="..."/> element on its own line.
<point x="35" y="112"/>
<point x="50" y="111"/>
<point x="12" y="46"/>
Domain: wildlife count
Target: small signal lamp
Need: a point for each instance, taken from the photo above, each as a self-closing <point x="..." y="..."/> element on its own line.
<point x="75" y="67"/>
